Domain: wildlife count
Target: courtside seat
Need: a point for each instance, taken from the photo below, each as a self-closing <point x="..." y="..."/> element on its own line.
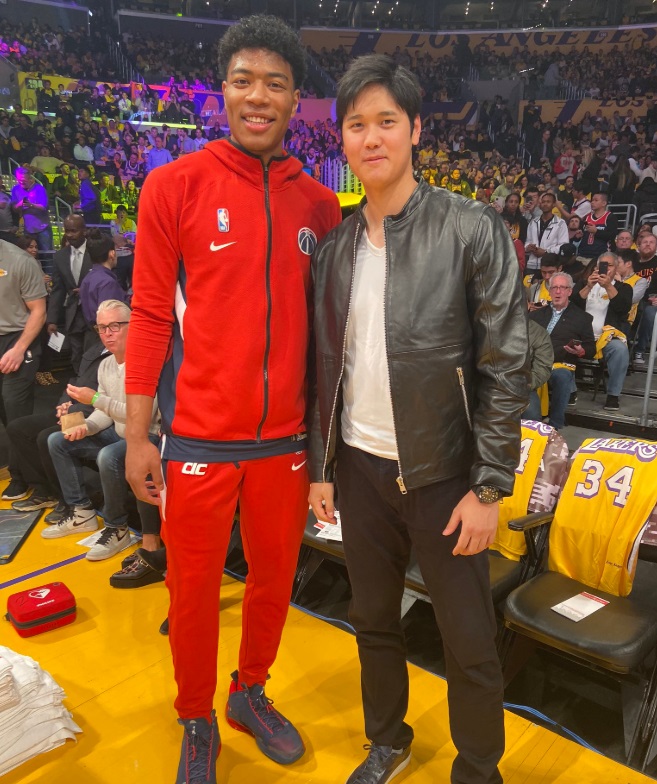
<point x="617" y="638"/>
<point x="593" y="542"/>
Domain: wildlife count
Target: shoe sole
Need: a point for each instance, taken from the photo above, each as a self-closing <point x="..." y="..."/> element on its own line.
<point x="138" y="582"/>
<point x="18" y="497"/>
<point x="82" y="529"/>
<point x="35" y="507"/>
<point x="103" y="557"/>
<point x="266" y="751"/>
<point x="401" y="768"/>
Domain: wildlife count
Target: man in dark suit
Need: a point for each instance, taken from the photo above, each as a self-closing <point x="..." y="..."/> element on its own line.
<point x="70" y="266"/>
<point x="571" y="330"/>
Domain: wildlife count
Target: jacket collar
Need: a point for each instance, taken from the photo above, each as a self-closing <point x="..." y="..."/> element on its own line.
<point x="282" y="169"/>
<point x="414" y="200"/>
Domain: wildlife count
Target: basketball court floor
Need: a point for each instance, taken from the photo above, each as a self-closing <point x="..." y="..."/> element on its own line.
<point x="116" y="670"/>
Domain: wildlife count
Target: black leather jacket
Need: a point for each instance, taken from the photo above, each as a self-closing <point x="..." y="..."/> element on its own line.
<point x="456" y="334"/>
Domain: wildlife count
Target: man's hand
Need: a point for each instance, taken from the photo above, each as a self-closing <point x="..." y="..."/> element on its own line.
<point x="52" y="329"/>
<point x="61" y="410"/>
<point x="76" y="433"/>
<point x="478" y="525"/>
<point x="590" y="227"/>
<point x="578" y="351"/>
<point x="321" y="501"/>
<point x="143" y="461"/>
<point x="11" y="360"/>
<point x="594" y="278"/>
<point x="81" y="394"/>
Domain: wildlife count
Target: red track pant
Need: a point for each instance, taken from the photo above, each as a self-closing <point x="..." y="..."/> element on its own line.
<point x="198" y="514"/>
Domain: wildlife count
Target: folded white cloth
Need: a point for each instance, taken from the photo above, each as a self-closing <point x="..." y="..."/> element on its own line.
<point x="32" y="717"/>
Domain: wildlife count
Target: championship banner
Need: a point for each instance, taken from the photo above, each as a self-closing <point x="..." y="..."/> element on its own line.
<point x="507" y="42"/>
<point x="574" y="110"/>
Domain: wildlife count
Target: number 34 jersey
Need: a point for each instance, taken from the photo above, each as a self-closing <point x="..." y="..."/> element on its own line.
<point x="607" y="499"/>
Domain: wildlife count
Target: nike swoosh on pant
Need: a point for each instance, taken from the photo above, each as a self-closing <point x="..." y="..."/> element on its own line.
<point x="221" y="247"/>
<point x="297" y="467"/>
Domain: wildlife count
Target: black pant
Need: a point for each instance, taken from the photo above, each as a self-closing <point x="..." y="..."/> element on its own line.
<point x="17" y="388"/>
<point x="29" y="456"/>
<point x="379" y="525"/>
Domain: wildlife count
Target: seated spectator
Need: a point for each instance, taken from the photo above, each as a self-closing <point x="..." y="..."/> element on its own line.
<point x="29" y="199"/>
<point x="124" y="234"/>
<point x="515" y="218"/>
<point x="644" y="336"/>
<point x="571" y="332"/>
<point x="66" y="186"/>
<point x="518" y="245"/>
<point x="626" y="274"/>
<point x="100" y="284"/>
<point x="537" y="285"/>
<point x="530" y="208"/>
<point x="624" y="241"/>
<point x="609" y="302"/>
<point x="104" y="153"/>
<point x="569" y="263"/>
<point x="28" y="440"/>
<point x="134" y="169"/>
<point x="82" y="152"/>
<point x="109" y="193"/>
<point x="545" y="234"/>
<point x="130" y="197"/>
<point x="505" y="189"/>
<point x="646" y="265"/>
<point x="45" y="162"/>
<point x="541" y="359"/>
<point x="600" y="228"/>
<point x="102" y="437"/>
<point x="581" y="204"/>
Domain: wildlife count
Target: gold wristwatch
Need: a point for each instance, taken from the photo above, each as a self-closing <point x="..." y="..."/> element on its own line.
<point x="487" y="494"/>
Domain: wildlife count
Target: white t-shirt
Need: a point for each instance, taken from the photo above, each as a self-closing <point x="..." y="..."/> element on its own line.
<point x="367" y="421"/>
<point x="597" y="304"/>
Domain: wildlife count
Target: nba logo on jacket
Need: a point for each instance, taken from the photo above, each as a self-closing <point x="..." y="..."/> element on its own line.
<point x="222" y="219"/>
<point x="307" y="241"/>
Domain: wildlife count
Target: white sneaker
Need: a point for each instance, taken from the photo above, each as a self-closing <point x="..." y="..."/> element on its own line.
<point x="110" y="542"/>
<point x="639" y="358"/>
<point x="78" y="521"/>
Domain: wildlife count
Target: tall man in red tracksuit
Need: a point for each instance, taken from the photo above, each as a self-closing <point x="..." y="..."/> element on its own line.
<point x="220" y="319"/>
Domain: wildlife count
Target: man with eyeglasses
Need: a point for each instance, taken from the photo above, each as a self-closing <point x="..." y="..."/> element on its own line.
<point x="571" y="331"/>
<point x="100" y="438"/>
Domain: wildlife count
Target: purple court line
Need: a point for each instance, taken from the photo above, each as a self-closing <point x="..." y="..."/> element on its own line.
<point x="42" y="571"/>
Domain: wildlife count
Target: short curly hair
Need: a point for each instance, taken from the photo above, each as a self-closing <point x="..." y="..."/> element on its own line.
<point x="263" y="31"/>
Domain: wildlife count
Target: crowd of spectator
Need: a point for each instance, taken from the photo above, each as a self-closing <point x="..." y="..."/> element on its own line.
<point x="39" y="48"/>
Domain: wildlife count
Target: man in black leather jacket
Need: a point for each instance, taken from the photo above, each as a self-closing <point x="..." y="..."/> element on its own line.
<point x="422" y="375"/>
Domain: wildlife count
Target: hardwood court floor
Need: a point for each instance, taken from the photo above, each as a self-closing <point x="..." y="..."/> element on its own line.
<point x="116" y="670"/>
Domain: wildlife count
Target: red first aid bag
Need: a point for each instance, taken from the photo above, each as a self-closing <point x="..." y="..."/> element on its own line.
<point x="41" y="609"/>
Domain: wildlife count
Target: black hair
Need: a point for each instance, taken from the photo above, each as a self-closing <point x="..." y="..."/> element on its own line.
<point x="99" y="246"/>
<point x="547" y="259"/>
<point x="601" y="193"/>
<point x="628" y="254"/>
<point x="382" y="70"/>
<point x="263" y="31"/>
<point x="121" y="207"/>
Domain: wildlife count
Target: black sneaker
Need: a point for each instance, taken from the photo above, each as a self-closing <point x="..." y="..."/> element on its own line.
<point x="611" y="403"/>
<point x="383" y="763"/>
<point x="57" y="514"/>
<point x="572" y="401"/>
<point x="200" y="748"/>
<point x="135" y="574"/>
<point x="164" y="627"/>
<point x="15" y="490"/>
<point x="34" y="502"/>
<point x="249" y="710"/>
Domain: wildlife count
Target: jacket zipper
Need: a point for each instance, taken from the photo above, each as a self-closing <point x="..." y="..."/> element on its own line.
<point x="459" y="372"/>
<point x="265" y="368"/>
<point x="40" y="621"/>
<point x="344" y="353"/>
<point x="400" y="478"/>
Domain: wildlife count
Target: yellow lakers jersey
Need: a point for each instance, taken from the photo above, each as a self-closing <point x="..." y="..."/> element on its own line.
<point x="534" y="439"/>
<point x="607" y="499"/>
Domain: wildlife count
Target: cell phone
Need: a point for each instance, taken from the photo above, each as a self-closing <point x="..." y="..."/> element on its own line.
<point x="603" y="267"/>
<point x="574" y="343"/>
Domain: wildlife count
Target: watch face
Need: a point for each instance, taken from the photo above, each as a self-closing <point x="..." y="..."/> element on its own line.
<point x="487" y="494"/>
